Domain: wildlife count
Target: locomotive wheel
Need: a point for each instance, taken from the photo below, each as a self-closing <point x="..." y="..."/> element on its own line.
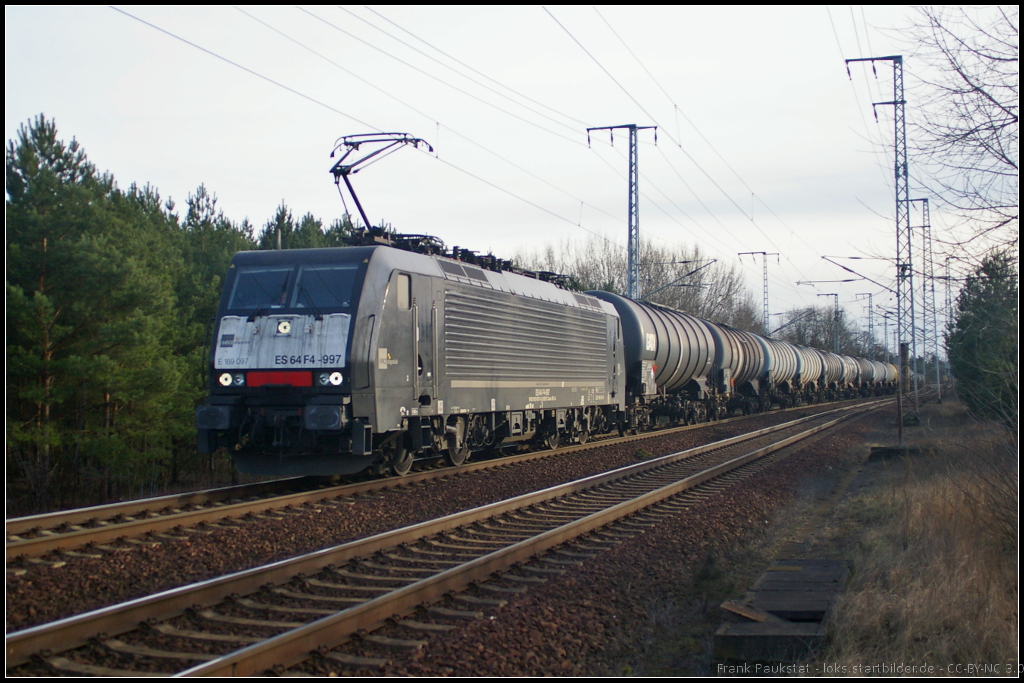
<point x="395" y="458"/>
<point x="458" y="450"/>
<point x="583" y="436"/>
<point x="401" y="463"/>
<point x="457" y="457"/>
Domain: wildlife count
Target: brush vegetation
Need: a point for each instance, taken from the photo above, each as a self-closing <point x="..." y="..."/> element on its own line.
<point x="934" y="547"/>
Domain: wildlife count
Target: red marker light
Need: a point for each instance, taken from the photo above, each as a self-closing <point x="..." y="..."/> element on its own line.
<point x="303" y="378"/>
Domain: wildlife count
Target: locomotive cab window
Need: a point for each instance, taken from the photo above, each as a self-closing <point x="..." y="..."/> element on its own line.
<point x="325" y="287"/>
<point x="257" y="288"/>
<point x="404" y="293"/>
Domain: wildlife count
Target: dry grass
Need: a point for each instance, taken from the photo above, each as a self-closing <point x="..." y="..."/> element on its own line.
<point x="934" y="547"/>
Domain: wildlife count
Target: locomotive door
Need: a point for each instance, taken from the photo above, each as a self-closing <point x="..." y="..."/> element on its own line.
<point x="425" y="315"/>
<point x="396" y="354"/>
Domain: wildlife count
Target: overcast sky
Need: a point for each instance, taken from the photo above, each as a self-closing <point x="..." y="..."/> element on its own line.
<point x="764" y="144"/>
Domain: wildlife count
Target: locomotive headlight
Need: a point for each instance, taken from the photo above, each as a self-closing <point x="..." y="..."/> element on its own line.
<point x="225" y="379"/>
<point x="284" y="327"/>
<point x="239" y="380"/>
<point x="332" y="378"/>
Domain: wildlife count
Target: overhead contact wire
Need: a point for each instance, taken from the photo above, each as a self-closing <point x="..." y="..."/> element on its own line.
<point x="523" y="199"/>
<point x="349" y="116"/>
<point x="423" y="114"/>
<point x="729" y="251"/>
<point x="456" y="72"/>
<point x="246" y="69"/>
<point x="458" y="61"/>
<point x="713" y="148"/>
<point x="669" y="136"/>
<point x="439" y="80"/>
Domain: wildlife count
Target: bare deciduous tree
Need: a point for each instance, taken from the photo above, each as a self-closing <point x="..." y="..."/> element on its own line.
<point x="965" y="135"/>
<point x="680" y="278"/>
<point x="816" y="326"/>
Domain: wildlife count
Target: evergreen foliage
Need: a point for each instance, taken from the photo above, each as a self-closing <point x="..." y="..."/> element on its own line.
<point x="308" y="233"/>
<point x="110" y="295"/>
<point x="982" y="340"/>
<point x="93" y="386"/>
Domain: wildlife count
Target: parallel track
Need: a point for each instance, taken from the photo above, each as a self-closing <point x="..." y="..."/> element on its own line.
<point x="39" y="535"/>
<point x="388" y="576"/>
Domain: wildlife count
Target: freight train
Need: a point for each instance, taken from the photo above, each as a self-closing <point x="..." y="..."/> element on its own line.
<point x="334" y="361"/>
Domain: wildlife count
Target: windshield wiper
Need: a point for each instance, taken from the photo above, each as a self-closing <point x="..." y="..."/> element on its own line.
<point x="266" y="306"/>
<point x="309" y="300"/>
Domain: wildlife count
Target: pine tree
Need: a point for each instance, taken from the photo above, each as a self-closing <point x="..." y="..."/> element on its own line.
<point x="95" y="392"/>
<point x="982" y="340"/>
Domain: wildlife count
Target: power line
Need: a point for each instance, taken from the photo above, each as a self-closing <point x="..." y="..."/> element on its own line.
<point x="867" y="131"/>
<point x="423" y="114"/>
<point x="669" y="97"/>
<point x="337" y="111"/>
<point x="434" y="59"/>
<point x="637" y="103"/>
<point x="703" y="137"/>
<point x="473" y="175"/>
<point x="439" y="80"/>
<point x="476" y="71"/>
<point x="520" y="198"/>
<point x="728" y="250"/>
<point x="624" y="90"/>
<point x="669" y="135"/>
<point x="245" y="68"/>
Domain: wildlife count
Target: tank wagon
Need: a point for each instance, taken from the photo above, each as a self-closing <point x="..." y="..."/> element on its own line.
<point x="335" y="361"/>
<point x="669" y="358"/>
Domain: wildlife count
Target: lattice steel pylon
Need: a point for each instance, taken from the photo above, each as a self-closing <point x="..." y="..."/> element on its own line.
<point x="949" y="291"/>
<point x="633" y="242"/>
<point x="766" y="326"/>
<point x="929" y="308"/>
<point x="906" y="329"/>
<point x="835" y="322"/>
<point x="871" y="323"/>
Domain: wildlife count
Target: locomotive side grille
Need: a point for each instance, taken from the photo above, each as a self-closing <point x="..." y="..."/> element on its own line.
<point x="488" y="335"/>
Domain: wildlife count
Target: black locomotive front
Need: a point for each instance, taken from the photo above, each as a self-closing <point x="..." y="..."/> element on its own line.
<point x="280" y="376"/>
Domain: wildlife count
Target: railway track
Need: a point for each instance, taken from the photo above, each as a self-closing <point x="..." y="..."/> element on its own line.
<point x="272" y="616"/>
<point x="94" y="528"/>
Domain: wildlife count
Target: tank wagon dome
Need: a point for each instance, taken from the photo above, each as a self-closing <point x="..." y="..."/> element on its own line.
<point x="780" y="365"/>
<point x="867" y="371"/>
<point x="739" y="358"/>
<point x="833" y="367"/>
<point x="851" y="370"/>
<point x="892" y="373"/>
<point x="810" y="365"/>
<point x="680" y="346"/>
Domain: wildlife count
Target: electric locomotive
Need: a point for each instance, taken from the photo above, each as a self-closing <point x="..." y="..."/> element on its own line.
<point x="334" y="361"/>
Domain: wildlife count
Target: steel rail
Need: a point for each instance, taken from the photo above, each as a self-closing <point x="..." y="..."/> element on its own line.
<point x="77" y="630"/>
<point x="50" y="542"/>
<point x="49" y="520"/>
<point x="294" y="646"/>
